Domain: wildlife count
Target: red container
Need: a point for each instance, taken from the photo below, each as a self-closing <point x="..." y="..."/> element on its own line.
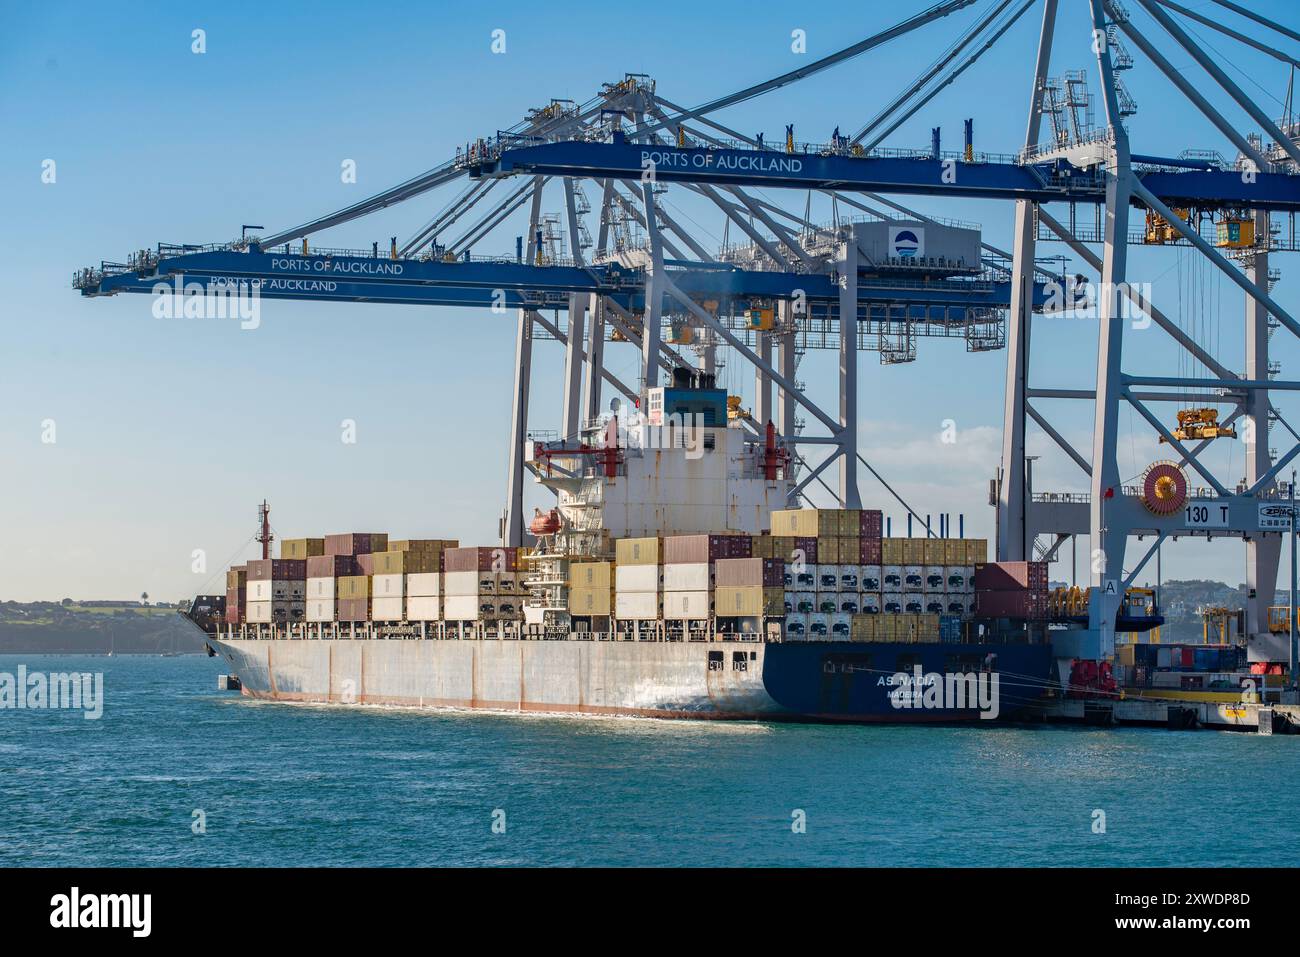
<point x="695" y="549"/>
<point x="356" y="543"/>
<point x="365" y="564"/>
<point x="809" y="548"/>
<point x="1010" y="604"/>
<point x="767" y="572"/>
<point x="481" y="559"/>
<point x="235" y="598"/>
<point x="353" y="609"/>
<point x="871" y="523"/>
<point x="870" y="551"/>
<point x="277" y="569"/>
<point x="1011" y="576"/>
<point x="332" y="566"/>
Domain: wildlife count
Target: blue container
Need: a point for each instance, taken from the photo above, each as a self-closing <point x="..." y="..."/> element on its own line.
<point x="950" y="629"/>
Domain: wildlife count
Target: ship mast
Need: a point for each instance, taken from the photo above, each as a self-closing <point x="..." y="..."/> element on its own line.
<point x="264" y="530"/>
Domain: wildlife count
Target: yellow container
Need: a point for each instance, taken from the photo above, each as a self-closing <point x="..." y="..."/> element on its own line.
<point x="638" y="551"/>
<point x="977" y="551"/>
<point x="850" y="522"/>
<point x="406" y="562"/>
<point x="934" y="551"/>
<point x="891" y="551"/>
<point x="828" y="551"/>
<point x="783" y="547"/>
<point x="591" y="575"/>
<point x="762" y="546"/>
<point x="914" y="551"/>
<point x="927" y="627"/>
<point x="353" y="586"/>
<point x="862" y="627"/>
<point x="748" y="601"/>
<point x="423" y="544"/>
<point x="589" y="601"/>
<point x="806" y="522"/>
<point x="954" y="552"/>
<point x="301" y="547"/>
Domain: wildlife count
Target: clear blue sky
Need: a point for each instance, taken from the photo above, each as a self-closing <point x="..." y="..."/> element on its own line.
<point x="170" y="431"/>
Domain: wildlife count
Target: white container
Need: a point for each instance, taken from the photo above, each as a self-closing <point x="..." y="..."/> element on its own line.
<point x="421" y="607"/>
<point x="636" y="605"/>
<point x="805" y="579"/>
<point x="849" y="603"/>
<point x="320" y="588"/>
<point x="277" y="612"/>
<point x="891" y="602"/>
<point x="686" y="578"/>
<point x="913" y="604"/>
<point x="869" y="603"/>
<point x="891" y="578"/>
<point x="320" y="609"/>
<point x="636" y="578"/>
<point x="819" y="627"/>
<point x="796" y="627"/>
<point x="805" y="602"/>
<point x="840" y="626"/>
<point x="934" y="578"/>
<point x="954" y="604"/>
<point x="509" y="607"/>
<point x="423" y="585"/>
<point x="465" y="607"/>
<point x="487" y="582"/>
<point x="507" y="583"/>
<point x="828" y="577"/>
<point x="461" y="585"/>
<point x="970" y="605"/>
<point x="935" y="603"/>
<point x="913" y="578"/>
<point x="685" y="604"/>
<point x="959" y="579"/>
<point x="388" y="608"/>
<point x="388" y="586"/>
<point x="258" y="591"/>
<point x="827" y="602"/>
<point x="869" y="578"/>
<point x="848" y="577"/>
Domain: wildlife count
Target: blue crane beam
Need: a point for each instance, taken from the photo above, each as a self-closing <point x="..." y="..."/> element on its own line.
<point x="1054" y="181"/>
<point x="348" y="278"/>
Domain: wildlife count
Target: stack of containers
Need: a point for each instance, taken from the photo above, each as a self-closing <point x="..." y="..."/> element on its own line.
<point x="1011" y="590"/>
<point x="356" y="543"/>
<point x="276" y="591"/>
<point x="638" y="579"/>
<point x="591" y="589"/>
<point x="843" y="549"/>
<point x="301" y="547"/>
<point x="236" y="594"/>
<point x="390" y="571"/>
<point x="688" y="572"/>
<point x="323" y="572"/>
<point x="481" y="584"/>
<point x="354" y="591"/>
<point x="748" y="590"/>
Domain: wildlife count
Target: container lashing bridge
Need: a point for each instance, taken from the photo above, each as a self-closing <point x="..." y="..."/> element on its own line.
<point x="632" y="144"/>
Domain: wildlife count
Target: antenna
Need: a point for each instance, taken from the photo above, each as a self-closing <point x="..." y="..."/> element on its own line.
<point x="264" y="528"/>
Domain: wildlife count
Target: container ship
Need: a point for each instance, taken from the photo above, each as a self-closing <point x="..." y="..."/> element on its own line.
<point x="669" y="580"/>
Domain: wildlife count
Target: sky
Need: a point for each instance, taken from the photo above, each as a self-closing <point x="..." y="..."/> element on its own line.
<point x="134" y="444"/>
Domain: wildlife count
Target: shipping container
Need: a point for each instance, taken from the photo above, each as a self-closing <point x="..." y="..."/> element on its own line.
<point x="870" y="551"/>
<point x="871" y="524"/>
<point x="954" y="551"/>
<point x="1010" y="604"/>
<point x="932" y="551"/>
<point x="590" y="600"/>
<point x="763" y="546"/>
<point x="366" y="564"/>
<point x="977" y="551"/>
<point x="422" y="544"/>
<point x="913" y="551"/>
<point x="591" y="575"/>
<point x="275" y="612"/>
<point x="828" y="550"/>
<point x="869" y="603"/>
<point x="422" y="608"/>
<point x="638" y="551"/>
<point x="679" y="605"/>
<point x="637" y="578"/>
<point x="303" y="548"/>
<point x="819" y="626"/>
<point x="912" y="604"/>
<point x="748" y="601"/>
<point x="891" y="551"/>
<point x="848" y="577"/>
<point x="688" y="577"/>
<point x="481" y="559"/>
<point x="411" y="561"/>
<point x="805" y="551"/>
<point x="769" y="572"/>
<point x="388" y="608"/>
<point x="950" y="629"/>
<point x="796" y="627"/>
<point x="693" y="549"/>
<point x="461" y="584"/>
<point x="892" y="578"/>
<point x="806" y="522"/>
<point x="935" y="603"/>
<point x="423" y="585"/>
<point x="279" y="590"/>
<point x="236" y="599"/>
<point x="388" y="586"/>
<point x="236" y="577"/>
<point x="332" y="566"/>
<point x="933" y="577"/>
<point x="353" y="587"/>
<point x="913" y="579"/>
<point x="274" y="569"/>
<point x="869" y="578"/>
<point x="356" y="543"/>
<point x="1011" y="576"/>
<point x="805" y="602"/>
<point x="353" y="609"/>
<point x="320" y="609"/>
<point x="841" y="626"/>
<point x="320" y="588"/>
<point x="848" y="602"/>
<point x="958" y="579"/>
<point x="637" y="605"/>
<point x="468" y="608"/>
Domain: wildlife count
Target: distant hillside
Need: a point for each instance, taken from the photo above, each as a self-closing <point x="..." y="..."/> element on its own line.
<point x="125" y="628"/>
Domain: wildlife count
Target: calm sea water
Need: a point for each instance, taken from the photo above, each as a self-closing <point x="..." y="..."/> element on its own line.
<point x="305" y="785"/>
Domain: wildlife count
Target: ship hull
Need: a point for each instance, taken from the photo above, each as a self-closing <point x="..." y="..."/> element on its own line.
<point x="732" y="680"/>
